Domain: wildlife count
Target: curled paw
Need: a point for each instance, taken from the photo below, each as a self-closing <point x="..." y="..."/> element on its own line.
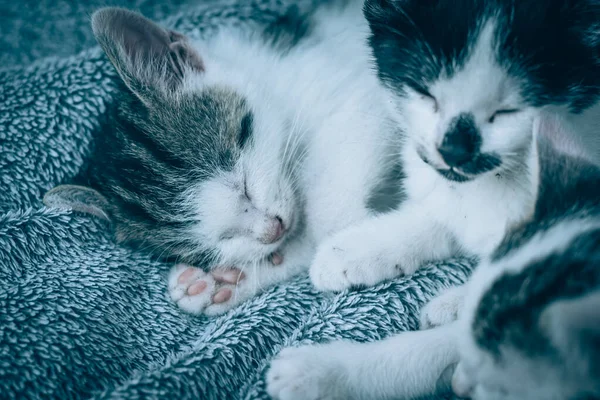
<point x="443" y="309"/>
<point x="199" y="292"/>
<point x="348" y="260"/>
<point x="305" y="373"/>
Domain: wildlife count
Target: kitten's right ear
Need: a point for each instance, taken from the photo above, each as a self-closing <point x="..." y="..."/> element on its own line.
<point x="378" y="12"/>
<point x="151" y="60"/>
<point x="384" y="15"/>
<point x="553" y="130"/>
<point x="77" y="198"/>
<point x="574" y="323"/>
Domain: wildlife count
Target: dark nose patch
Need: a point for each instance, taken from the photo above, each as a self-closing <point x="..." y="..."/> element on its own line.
<point x="461" y="142"/>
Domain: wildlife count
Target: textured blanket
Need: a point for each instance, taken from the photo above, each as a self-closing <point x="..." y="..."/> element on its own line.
<point x="81" y="317"/>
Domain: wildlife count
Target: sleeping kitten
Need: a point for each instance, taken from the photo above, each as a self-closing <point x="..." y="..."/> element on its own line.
<point x="466" y="98"/>
<point x="469" y="97"/>
<point x="530" y="328"/>
<point x="238" y="152"/>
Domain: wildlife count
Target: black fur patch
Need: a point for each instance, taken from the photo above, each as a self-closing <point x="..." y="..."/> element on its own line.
<point x="246" y="129"/>
<point x="508" y="314"/>
<point x="568" y="188"/>
<point x="148" y="154"/>
<point x="289" y="29"/>
<point x="461" y="141"/>
<point x="551" y="47"/>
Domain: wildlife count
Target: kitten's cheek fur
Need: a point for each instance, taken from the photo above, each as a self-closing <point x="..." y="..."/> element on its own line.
<point x="243" y="250"/>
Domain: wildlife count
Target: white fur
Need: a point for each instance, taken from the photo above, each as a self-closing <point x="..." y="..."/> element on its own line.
<point x="401" y="367"/>
<point x="517" y="377"/>
<point x="411" y="364"/>
<point x="442" y="218"/>
<point x="443" y="309"/>
<point x="321" y="142"/>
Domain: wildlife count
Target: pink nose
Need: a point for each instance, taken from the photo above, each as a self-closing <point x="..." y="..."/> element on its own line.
<point x="275" y="231"/>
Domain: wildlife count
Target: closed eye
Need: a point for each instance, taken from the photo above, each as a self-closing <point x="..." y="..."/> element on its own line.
<point x="500" y="113"/>
<point x="245" y="129"/>
<point x="246" y="194"/>
<point x="424" y="93"/>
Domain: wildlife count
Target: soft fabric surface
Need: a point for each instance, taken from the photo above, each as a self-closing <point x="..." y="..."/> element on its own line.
<point x="81" y="317"/>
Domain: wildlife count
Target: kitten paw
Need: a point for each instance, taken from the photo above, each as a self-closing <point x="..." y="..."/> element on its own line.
<point x="443" y="309"/>
<point x="199" y="292"/>
<point x="348" y="259"/>
<point x="307" y="373"/>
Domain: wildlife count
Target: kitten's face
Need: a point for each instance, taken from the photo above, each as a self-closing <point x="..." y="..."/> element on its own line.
<point x="468" y="76"/>
<point x="209" y="173"/>
<point x="247" y="210"/>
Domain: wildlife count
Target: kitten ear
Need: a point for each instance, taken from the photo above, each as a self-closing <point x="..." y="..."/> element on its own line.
<point x="77" y="198"/>
<point x="146" y="56"/>
<point x="574" y="322"/>
<point x="386" y="15"/>
<point x="556" y="131"/>
<point x="379" y="12"/>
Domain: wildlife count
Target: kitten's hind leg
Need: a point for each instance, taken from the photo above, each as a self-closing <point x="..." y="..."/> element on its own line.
<point x="408" y="365"/>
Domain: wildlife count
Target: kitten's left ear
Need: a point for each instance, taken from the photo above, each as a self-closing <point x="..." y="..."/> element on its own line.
<point x="148" y="57"/>
<point x="574" y="322"/>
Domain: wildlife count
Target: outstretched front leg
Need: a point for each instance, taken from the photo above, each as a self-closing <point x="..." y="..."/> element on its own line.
<point x="380" y="248"/>
<point x="408" y="365"/>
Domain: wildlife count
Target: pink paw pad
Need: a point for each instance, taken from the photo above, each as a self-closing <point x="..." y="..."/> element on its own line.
<point x="222" y="296"/>
<point x="228" y="275"/>
<point x="197" y="288"/>
<point x="197" y="291"/>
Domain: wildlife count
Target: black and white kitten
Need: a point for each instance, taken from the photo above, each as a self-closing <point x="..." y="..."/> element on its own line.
<point x="226" y="151"/>
<point x="467" y="99"/>
<point x="468" y="79"/>
<point x="529" y="329"/>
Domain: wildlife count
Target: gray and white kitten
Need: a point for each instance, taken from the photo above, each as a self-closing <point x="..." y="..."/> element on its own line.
<point x="238" y="152"/>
